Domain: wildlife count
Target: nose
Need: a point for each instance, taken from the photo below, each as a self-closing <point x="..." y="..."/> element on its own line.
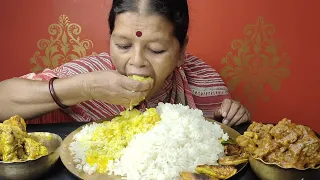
<point x="138" y="59"/>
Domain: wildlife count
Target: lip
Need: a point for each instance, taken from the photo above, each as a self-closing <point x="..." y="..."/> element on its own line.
<point x="139" y="74"/>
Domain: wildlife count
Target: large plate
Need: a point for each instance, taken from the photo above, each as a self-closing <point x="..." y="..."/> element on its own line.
<point x="66" y="156"/>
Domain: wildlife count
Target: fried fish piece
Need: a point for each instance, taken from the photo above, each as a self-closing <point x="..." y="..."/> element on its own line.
<point x="233" y="160"/>
<point x="195" y="176"/>
<point x="232" y="149"/>
<point x="217" y="171"/>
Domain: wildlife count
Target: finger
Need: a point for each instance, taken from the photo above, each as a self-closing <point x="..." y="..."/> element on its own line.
<point x="225" y="107"/>
<point x="121" y="101"/>
<point x="241" y="112"/>
<point x="134" y="85"/>
<point x="138" y="97"/>
<point x="217" y="113"/>
<point x="130" y="101"/>
<point x="235" y="106"/>
<point x="133" y="96"/>
<point x="249" y="116"/>
<point x="243" y="119"/>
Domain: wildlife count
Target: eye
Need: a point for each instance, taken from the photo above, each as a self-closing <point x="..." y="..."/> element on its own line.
<point x="157" y="52"/>
<point x="124" y="47"/>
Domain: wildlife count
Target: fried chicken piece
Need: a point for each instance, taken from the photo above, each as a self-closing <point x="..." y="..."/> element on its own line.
<point x="285" y="132"/>
<point x="34" y="149"/>
<point x="262" y="130"/>
<point x="246" y="143"/>
<point x="15" y="143"/>
<point x="217" y="171"/>
<point x="1" y="145"/>
<point x="265" y="146"/>
<point x="8" y="140"/>
<point x="195" y="176"/>
<point x="306" y="150"/>
<point x="12" y="138"/>
<point x="17" y="121"/>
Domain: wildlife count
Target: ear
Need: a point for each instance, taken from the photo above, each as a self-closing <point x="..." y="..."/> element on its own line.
<point x="183" y="51"/>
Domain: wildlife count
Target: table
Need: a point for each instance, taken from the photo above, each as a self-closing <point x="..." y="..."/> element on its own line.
<point x="59" y="172"/>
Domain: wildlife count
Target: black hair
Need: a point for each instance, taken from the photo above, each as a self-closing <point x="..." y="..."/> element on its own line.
<point x="176" y="11"/>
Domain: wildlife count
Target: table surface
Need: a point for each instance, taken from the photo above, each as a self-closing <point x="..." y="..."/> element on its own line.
<point x="58" y="171"/>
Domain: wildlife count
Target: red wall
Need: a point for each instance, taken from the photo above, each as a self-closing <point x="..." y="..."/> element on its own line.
<point x="288" y="89"/>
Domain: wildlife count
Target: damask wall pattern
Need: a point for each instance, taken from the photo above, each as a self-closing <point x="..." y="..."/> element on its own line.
<point x="254" y="62"/>
<point x="63" y="45"/>
<point x="266" y="51"/>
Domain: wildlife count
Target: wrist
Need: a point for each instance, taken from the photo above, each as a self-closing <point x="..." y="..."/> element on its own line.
<point x="85" y="82"/>
<point x="69" y="91"/>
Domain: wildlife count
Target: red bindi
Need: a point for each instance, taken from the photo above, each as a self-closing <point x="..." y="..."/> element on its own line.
<point x="138" y="33"/>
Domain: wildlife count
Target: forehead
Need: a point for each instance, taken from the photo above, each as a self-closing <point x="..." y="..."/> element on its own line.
<point x="128" y="23"/>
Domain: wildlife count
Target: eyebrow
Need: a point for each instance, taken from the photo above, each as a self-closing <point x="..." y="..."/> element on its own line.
<point x="159" y="40"/>
<point x="120" y="36"/>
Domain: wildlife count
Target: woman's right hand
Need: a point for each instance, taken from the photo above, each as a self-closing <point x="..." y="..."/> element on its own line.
<point x="114" y="88"/>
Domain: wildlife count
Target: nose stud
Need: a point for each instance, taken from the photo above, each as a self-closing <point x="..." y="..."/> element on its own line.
<point x="138" y="33"/>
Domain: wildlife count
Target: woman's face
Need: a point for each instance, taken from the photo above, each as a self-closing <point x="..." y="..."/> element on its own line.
<point x="156" y="53"/>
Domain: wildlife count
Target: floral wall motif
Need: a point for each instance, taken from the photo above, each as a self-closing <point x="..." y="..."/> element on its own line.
<point x="266" y="51"/>
<point x="63" y="46"/>
<point x="255" y="61"/>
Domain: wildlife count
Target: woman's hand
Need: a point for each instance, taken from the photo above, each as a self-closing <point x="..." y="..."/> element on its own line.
<point x="232" y="112"/>
<point x="114" y="88"/>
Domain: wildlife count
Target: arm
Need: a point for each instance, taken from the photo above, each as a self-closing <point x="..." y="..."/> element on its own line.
<point x="80" y="80"/>
<point x="31" y="98"/>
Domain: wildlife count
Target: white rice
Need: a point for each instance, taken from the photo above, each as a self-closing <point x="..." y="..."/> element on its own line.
<point x="182" y="140"/>
<point x="80" y="145"/>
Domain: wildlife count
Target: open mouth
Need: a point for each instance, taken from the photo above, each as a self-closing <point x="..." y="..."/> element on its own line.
<point x="139" y="78"/>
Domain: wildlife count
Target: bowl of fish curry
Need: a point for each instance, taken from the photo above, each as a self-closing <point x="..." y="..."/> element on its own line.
<point x="282" y="151"/>
<point x="26" y="155"/>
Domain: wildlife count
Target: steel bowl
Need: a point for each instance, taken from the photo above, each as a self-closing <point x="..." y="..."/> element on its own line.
<point x="33" y="169"/>
<point x="269" y="171"/>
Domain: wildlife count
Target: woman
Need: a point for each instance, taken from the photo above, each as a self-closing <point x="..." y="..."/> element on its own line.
<point x="148" y="38"/>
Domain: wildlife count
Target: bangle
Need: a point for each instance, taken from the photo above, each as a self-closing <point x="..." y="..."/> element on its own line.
<point x="53" y="94"/>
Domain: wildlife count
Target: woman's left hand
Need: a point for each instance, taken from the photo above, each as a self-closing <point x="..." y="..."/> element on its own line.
<point x="232" y="112"/>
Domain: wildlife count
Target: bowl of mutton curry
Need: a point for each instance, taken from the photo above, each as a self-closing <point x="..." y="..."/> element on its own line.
<point x="282" y="151"/>
<point x="26" y="155"/>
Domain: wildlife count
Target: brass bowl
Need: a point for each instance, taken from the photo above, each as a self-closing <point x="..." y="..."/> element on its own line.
<point x="33" y="169"/>
<point x="269" y="171"/>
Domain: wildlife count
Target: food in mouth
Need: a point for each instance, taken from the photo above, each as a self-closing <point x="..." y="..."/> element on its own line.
<point x="141" y="79"/>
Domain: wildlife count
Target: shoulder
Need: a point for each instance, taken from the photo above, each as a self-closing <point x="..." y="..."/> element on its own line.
<point x="197" y="68"/>
<point x="191" y="59"/>
<point x="203" y="80"/>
